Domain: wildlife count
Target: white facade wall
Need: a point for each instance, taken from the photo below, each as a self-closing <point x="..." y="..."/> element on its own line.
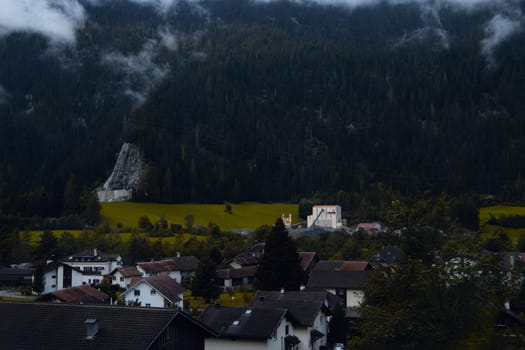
<point x="121" y="281"/>
<point x="354" y="297"/>
<point x="51" y="281"/>
<point x="303" y="333"/>
<point x="325" y="216"/>
<point x="77" y="279"/>
<point x="228" y="344"/>
<point x="148" y="298"/>
<point x="176" y="275"/>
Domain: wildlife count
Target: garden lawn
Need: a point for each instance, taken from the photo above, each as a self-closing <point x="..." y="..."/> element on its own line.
<point x="486" y="230"/>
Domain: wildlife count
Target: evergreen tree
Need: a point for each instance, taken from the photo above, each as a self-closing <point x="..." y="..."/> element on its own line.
<point x="205" y="282"/>
<point x="279" y="266"/>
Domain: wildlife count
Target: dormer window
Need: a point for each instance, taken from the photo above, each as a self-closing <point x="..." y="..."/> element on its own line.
<point x="248" y="312"/>
<point x="236" y="323"/>
<point x="153" y="292"/>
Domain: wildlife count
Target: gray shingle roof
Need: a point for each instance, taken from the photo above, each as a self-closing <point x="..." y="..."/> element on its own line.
<point x="259" y="323"/>
<point x="61" y="326"/>
<point x="339" y="279"/>
<point x="303" y="307"/>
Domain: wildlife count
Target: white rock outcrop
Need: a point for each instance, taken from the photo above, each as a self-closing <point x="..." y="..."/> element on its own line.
<point x="125" y="175"/>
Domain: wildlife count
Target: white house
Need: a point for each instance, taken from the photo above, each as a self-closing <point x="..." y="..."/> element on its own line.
<point x="240" y="328"/>
<point x="93" y="265"/>
<point x="180" y="268"/>
<point x="307" y="311"/>
<point x="328" y="216"/>
<point x="156" y="291"/>
<point x="58" y="275"/>
<point x="123" y="276"/>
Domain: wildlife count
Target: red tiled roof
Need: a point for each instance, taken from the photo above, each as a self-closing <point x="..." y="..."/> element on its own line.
<point x="80" y="294"/>
<point x="183" y="263"/>
<point x="129" y="271"/>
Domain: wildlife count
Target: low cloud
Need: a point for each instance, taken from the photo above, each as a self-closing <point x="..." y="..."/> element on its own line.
<point x="4" y="95"/>
<point x="140" y="73"/>
<point x="57" y="20"/>
<point x="498" y="29"/>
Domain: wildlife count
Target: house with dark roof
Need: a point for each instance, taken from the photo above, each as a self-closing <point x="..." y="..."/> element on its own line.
<point x="236" y="279"/>
<point x="76" y="295"/>
<point x="180" y="268"/>
<point x="16" y="277"/>
<point x="248" y="257"/>
<point x="50" y="326"/>
<point x="122" y="276"/>
<point x="240" y="328"/>
<point x="93" y="265"/>
<point x="346" y="279"/>
<point x="156" y="291"/>
<point x="306" y="310"/>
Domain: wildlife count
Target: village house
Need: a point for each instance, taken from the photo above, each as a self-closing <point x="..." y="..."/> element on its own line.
<point x="16" y="277"/>
<point x="51" y="326"/>
<point x="58" y="275"/>
<point x="122" y="276"/>
<point x="240" y="328"/>
<point x="156" y="291"/>
<point x="306" y="310"/>
<point x="93" y="264"/>
<point x="346" y="279"/>
<point x="180" y="268"/>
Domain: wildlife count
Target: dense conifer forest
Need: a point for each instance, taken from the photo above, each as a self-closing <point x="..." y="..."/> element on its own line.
<point x="241" y="100"/>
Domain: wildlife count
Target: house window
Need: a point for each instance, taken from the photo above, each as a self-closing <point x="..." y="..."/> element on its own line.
<point x="136" y="292"/>
<point x="54" y="276"/>
<point x="148" y="305"/>
<point x="95" y="281"/>
<point x="153" y="292"/>
<point x="114" y="278"/>
<point x="121" y="279"/>
<point x="53" y="286"/>
<point x="287" y="330"/>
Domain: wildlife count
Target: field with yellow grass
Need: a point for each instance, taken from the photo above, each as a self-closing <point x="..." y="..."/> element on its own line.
<point x="487" y="230"/>
<point x="243" y="215"/>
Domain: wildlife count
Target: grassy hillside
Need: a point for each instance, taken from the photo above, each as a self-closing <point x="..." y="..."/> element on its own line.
<point x="497" y="211"/>
<point x="244" y="215"/>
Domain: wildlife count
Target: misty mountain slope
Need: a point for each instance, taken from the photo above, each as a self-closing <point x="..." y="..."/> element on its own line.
<point x="267" y="100"/>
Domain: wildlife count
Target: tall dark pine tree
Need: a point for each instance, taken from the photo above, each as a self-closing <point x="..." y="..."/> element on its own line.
<point x="279" y="266"/>
<point x="205" y="282"/>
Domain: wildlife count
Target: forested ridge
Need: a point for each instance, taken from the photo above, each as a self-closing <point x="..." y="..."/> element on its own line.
<point x="236" y="100"/>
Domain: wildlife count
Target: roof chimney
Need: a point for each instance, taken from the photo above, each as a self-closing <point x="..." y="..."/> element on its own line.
<point x="91" y="328"/>
<point x="178" y="254"/>
<point x="95" y="253"/>
<point x="282" y="290"/>
<point x="302" y="287"/>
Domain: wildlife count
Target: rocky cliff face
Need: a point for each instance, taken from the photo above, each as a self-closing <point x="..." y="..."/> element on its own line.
<point x="125" y="176"/>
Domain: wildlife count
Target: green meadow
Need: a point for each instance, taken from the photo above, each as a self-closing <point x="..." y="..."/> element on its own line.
<point x="487" y="230"/>
<point x="243" y="216"/>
